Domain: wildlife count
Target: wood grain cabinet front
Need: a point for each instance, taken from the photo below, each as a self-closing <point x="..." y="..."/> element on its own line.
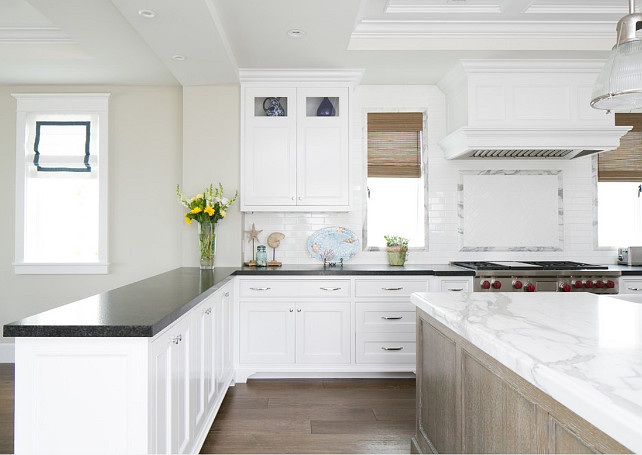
<point x="467" y="402"/>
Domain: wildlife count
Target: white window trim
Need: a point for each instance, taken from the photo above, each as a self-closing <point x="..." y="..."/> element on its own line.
<point x="424" y="171"/>
<point x="62" y="103"/>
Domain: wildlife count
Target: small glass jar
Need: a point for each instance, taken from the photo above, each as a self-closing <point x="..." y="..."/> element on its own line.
<point x="261" y="256"/>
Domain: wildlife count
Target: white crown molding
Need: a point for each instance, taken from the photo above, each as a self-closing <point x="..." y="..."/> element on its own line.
<point x="578" y="10"/>
<point x="33" y="35"/>
<point x="584" y="66"/>
<point x="350" y="76"/>
<point x="476" y="29"/>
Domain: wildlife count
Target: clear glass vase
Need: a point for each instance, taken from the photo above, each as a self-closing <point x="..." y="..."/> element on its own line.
<point x="207" y="243"/>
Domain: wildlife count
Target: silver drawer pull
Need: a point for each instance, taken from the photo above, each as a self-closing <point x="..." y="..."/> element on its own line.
<point x="391" y="318"/>
<point x="634" y="289"/>
<point x="208" y="311"/>
<point x="330" y="289"/>
<point x="260" y="289"/>
<point x="392" y="349"/>
<point x="392" y="289"/>
<point x="456" y="289"/>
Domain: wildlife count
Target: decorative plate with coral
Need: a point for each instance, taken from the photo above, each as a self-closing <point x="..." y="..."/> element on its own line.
<point x="333" y="244"/>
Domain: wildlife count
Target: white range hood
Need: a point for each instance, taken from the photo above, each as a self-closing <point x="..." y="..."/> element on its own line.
<point x="525" y="109"/>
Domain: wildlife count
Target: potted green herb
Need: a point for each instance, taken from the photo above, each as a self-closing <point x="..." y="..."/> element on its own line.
<point x="397" y="247"/>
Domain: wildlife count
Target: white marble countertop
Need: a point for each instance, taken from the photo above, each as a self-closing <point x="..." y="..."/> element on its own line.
<point x="584" y="350"/>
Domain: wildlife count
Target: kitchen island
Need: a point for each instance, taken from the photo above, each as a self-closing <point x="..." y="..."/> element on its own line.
<point x="517" y="372"/>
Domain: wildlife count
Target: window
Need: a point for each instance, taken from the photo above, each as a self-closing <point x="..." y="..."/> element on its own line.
<point x="395" y="204"/>
<point x="61" y="184"/>
<point x="618" y="189"/>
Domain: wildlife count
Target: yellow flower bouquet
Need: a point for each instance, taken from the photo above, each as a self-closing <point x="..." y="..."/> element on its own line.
<point x="207" y="209"/>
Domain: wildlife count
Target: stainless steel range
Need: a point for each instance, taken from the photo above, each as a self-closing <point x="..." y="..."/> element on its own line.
<point x="542" y="276"/>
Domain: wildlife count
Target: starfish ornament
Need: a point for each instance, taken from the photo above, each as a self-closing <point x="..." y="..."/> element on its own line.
<point x="253" y="234"/>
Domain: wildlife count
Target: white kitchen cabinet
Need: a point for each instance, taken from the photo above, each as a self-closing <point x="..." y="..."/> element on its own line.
<point x="170" y="375"/>
<point x="630" y="285"/>
<point x="452" y="284"/>
<point x="294" y="332"/>
<point x="297" y="161"/>
<point x="323" y="333"/>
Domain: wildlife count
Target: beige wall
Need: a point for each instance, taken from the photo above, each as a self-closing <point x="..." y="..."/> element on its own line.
<point x="145" y="164"/>
<point x="211" y="150"/>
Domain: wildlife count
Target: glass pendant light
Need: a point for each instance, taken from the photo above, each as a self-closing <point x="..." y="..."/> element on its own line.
<point x="619" y="86"/>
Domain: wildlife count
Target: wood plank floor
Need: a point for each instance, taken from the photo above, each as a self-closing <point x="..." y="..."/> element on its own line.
<point x="291" y="416"/>
<point x="6" y="407"/>
<point x="315" y="416"/>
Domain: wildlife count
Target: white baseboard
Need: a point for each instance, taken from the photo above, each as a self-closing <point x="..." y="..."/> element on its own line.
<point x="7" y="353"/>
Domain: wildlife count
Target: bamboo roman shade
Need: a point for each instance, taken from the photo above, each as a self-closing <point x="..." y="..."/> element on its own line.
<point x="623" y="164"/>
<point x="394" y="144"/>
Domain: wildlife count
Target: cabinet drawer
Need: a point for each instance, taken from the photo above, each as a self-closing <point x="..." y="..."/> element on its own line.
<point x="386" y="348"/>
<point x="294" y="288"/>
<point x="385" y="317"/>
<point x="454" y="285"/>
<point x="630" y="286"/>
<point x="389" y="288"/>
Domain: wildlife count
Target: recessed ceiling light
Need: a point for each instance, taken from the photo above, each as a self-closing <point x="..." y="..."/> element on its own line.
<point x="147" y="13"/>
<point x="296" y="33"/>
<point x="179" y="57"/>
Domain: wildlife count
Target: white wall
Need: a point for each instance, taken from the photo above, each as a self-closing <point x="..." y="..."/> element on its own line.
<point x="145" y="140"/>
<point x="211" y="150"/>
<point x="442" y="197"/>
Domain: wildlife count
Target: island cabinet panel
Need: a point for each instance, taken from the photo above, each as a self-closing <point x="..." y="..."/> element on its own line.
<point x="512" y="423"/>
<point x="564" y="440"/>
<point x="438" y="424"/>
<point x="467" y="402"/>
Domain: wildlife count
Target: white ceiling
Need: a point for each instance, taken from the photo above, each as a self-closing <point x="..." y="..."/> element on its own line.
<point x="395" y="41"/>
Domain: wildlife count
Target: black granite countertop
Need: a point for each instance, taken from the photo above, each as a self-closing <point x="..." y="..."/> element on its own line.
<point x="627" y="269"/>
<point x="140" y="309"/>
<point x="358" y="269"/>
<point x="144" y="308"/>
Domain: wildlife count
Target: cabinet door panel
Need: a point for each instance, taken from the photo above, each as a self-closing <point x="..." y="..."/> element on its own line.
<point x="266" y="332"/>
<point x="322" y="165"/>
<point x="323" y="333"/>
<point x="510" y="420"/>
<point x="322" y="149"/>
<point x="180" y="390"/>
<point x="161" y="352"/>
<point x="566" y="441"/>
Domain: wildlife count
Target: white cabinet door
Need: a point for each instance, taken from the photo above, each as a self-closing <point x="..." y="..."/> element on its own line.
<point x="202" y="353"/>
<point x="171" y="423"/>
<point x="228" y="322"/>
<point x="266" y="332"/>
<point x="453" y="284"/>
<point x="322" y="148"/>
<point x="269" y="158"/>
<point x="323" y="332"/>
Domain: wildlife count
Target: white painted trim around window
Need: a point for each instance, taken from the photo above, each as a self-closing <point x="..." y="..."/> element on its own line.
<point x="62" y="103"/>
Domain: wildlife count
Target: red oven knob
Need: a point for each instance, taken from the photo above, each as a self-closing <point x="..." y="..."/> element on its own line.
<point x="578" y="284"/>
<point x="497" y="284"/>
<point x="599" y="284"/>
<point x="486" y="284"/>
<point x="565" y="287"/>
<point x="588" y="284"/>
<point x="518" y="284"/>
<point x="610" y="284"/>
<point x="530" y="288"/>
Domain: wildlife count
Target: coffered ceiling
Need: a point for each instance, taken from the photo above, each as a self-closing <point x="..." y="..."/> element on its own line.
<point x="198" y="42"/>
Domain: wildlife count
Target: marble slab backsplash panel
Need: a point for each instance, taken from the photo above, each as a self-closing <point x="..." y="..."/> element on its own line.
<point x="511" y="210"/>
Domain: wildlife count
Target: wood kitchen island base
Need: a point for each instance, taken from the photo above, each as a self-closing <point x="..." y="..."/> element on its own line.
<point x="467" y="402"/>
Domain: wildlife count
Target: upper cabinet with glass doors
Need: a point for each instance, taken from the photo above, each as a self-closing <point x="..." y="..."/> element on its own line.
<point x="295" y="147"/>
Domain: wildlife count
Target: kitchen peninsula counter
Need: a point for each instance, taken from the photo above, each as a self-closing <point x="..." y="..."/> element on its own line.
<point x="583" y="350"/>
<point x="146" y="307"/>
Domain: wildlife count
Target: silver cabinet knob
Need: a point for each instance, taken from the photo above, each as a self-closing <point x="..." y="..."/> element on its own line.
<point x="208" y="311"/>
<point x="292" y="198"/>
<point x="227" y="294"/>
<point x="291" y="310"/>
<point x="177" y="339"/>
<point x="298" y="310"/>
